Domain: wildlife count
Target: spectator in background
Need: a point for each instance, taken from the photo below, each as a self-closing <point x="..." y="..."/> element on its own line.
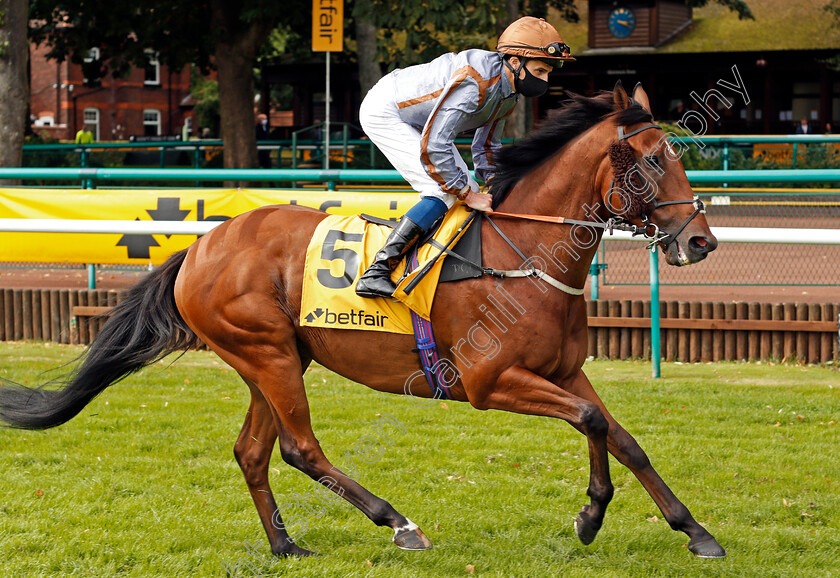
<point x="84" y="135"/>
<point x="828" y="128"/>
<point x="803" y="127"/>
<point x="263" y="133"/>
<point x="677" y="112"/>
<point x="318" y="132"/>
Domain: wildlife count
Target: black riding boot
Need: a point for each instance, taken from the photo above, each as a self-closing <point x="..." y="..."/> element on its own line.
<point x="376" y="281"/>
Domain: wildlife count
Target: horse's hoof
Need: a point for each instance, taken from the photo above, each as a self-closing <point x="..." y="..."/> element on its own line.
<point x="410" y="537"/>
<point x="706" y="547"/>
<point x="585" y="529"/>
<point x="296" y="551"/>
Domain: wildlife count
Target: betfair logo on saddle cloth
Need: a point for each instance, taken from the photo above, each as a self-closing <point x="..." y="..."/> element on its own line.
<point x="341" y="250"/>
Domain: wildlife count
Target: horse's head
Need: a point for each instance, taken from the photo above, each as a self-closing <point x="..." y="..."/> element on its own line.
<point x="648" y="185"/>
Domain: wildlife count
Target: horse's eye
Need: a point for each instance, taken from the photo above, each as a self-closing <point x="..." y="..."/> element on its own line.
<point x="653" y="161"/>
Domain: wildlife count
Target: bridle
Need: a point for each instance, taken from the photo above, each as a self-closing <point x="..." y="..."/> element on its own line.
<point x="649" y="230"/>
<point x="658" y="236"/>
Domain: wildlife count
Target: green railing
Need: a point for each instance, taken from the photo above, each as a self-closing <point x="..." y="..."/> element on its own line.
<point x="363" y="176"/>
<point x="196" y="148"/>
<point x="346" y="148"/>
<point x="341" y="146"/>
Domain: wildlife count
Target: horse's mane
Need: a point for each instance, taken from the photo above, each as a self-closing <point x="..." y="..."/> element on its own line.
<point x="577" y="115"/>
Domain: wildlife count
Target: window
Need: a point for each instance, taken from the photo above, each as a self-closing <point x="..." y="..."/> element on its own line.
<point x="91" y="121"/>
<point x="45" y="120"/>
<point x="151" y="122"/>
<point x="152" y="69"/>
<point x="92" y="55"/>
<point x="91" y="69"/>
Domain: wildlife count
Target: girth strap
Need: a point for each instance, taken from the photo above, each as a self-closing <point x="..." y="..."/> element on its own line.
<point x="427" y="348"/>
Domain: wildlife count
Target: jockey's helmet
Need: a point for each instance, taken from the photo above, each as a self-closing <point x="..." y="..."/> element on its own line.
<point x="531" y="37"/>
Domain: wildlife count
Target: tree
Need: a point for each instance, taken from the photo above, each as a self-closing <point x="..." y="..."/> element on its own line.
<point x="14" y="87"/>
<point x="205" y="94"/>
<point x="225" y="34"/>
<point x="366" y="48"/>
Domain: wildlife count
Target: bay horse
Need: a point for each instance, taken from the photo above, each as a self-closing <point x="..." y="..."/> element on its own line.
<point x="238" y="290"/>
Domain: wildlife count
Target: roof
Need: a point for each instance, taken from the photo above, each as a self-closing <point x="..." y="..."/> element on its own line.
<point x="778" y="25"/>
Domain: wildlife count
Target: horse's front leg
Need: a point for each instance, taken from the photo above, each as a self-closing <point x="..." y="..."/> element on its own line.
<point x="627" y="451"/>
<point x="521" y="391"/>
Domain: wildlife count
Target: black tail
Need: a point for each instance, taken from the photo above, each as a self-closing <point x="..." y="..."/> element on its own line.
<point x="144" y="327"/>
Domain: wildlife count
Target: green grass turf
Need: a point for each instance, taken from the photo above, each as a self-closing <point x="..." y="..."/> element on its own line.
<point x="143" y="482"/>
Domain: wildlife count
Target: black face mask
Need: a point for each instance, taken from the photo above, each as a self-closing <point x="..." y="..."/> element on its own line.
<point x="530" y="86"/>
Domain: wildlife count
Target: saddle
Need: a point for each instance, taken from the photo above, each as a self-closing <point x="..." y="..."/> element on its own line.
<point x="463" y="261"/>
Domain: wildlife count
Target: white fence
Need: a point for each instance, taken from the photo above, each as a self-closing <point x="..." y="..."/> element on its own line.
<point x="723" y="234"/>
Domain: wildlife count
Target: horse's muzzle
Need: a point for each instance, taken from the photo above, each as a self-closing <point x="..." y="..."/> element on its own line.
<point x="689" y="248"/>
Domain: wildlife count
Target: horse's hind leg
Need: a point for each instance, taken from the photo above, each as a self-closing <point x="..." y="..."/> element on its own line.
<point x="308" y="457"/>
<point x="253" y="452"/>
<point x="274" y="367"/>
<point x="627" y="451"/>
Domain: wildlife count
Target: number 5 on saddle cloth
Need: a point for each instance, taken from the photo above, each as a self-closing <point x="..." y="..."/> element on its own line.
<point x="341" y="249"/>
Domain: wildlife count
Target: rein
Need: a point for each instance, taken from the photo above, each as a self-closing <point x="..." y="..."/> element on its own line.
<point x="619" y="223"/>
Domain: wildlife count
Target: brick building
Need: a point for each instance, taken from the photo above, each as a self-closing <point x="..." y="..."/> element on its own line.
<point x="150" y="101"/>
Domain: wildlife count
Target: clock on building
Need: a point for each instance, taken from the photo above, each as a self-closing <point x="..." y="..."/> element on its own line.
<point x="621" y="22"/>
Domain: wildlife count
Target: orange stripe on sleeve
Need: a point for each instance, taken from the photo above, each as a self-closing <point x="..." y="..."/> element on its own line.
<point x="460" y="75"/>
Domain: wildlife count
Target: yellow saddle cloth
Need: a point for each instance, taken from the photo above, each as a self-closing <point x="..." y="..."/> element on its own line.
<point x="341" y="249"/>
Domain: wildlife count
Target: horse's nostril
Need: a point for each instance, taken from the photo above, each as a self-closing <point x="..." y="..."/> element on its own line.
<point x="701" y="244"/>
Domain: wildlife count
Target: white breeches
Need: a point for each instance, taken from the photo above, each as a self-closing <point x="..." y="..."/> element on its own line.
<point x="400" y="142"/>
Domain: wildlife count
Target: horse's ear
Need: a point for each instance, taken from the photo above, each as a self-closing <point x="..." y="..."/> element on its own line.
<point x="640" y="96"/>
<point x="620" y="98"/>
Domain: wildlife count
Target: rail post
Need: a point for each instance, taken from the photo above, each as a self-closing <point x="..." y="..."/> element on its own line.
<point x="654" y="313"/>
<point x="344" y="135"/>
<point x="83" y="163"/>
<point x="725" y="160"/>
<point x="196" y="162"/>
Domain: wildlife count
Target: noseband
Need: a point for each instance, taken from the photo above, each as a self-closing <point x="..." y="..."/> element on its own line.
<point x="651" y="231"/>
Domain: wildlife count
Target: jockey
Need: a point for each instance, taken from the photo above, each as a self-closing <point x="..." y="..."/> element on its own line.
<point x="413" y="116"/>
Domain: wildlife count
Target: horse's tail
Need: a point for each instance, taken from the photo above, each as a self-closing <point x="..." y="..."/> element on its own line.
<point x="144" y="327"/>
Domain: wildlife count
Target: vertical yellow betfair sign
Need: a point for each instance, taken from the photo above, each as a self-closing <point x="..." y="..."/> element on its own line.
<point x="327" y="25"/>
<point x="327" y="36"/>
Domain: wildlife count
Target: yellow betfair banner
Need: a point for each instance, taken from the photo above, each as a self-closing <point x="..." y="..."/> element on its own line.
<point x="327" y="25"/>
<point x="157" y="205"/>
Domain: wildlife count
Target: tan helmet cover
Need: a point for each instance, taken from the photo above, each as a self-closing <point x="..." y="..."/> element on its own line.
<point x="533" y="38"/>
